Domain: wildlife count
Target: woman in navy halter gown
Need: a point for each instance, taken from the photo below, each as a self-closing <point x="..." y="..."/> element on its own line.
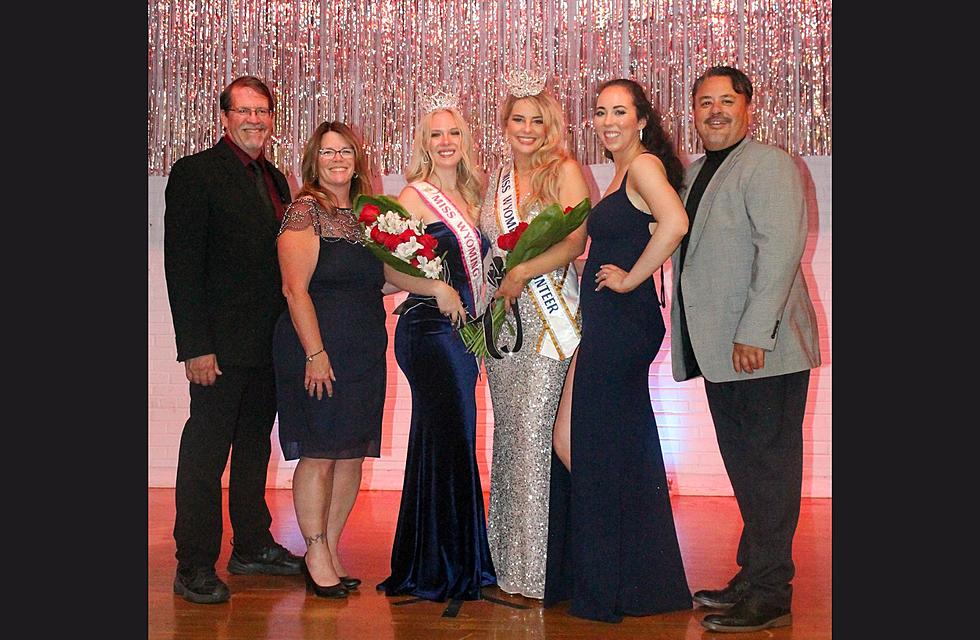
<point x="612" y="546"/>
<point x="440" y="551"/>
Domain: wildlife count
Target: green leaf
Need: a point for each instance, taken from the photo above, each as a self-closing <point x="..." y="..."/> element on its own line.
<point x="383" y="202"/>
<point x="394" y="262"/>
<point x="473" y="335"/>
<point x="547" y="229"/>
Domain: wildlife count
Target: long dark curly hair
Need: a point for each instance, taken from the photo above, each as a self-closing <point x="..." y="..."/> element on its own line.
<point x="654" y="138"/>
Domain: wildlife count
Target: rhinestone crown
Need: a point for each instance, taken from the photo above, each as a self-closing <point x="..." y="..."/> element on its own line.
<point x="522" y="84"/>
<point x="439" y="100"/>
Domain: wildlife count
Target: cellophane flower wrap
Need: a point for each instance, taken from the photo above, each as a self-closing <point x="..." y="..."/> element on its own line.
<point x="526" y="241"/>
<point x="396" y="238"/>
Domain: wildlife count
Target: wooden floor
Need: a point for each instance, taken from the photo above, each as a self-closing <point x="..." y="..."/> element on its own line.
<point x="278" y="608"/>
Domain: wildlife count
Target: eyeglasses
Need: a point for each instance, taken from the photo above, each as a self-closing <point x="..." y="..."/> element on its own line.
<point x="329" y="153"/>
<point x="246" y="112"/>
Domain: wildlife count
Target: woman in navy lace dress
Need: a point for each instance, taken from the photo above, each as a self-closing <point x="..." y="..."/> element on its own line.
<point x="329" y="350"/>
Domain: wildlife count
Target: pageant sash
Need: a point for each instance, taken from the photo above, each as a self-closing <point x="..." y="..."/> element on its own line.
<point x="555" y="302"/>
<point x="467" y="237"/>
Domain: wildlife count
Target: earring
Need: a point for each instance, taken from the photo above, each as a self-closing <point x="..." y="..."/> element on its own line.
<point x="425" y="158"/>
<point x="641" y="134"/>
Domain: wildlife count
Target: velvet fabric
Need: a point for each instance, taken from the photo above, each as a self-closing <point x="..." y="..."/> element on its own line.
<point x="440" y="551"/>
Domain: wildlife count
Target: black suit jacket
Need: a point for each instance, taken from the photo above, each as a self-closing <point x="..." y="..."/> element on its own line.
<point x="220" y="259"/>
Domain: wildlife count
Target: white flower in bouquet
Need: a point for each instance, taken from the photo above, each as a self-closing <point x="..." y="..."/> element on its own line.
<point x="391" y="222"/>
<point x="406" y="250"/>
<point x="431" y="268"/>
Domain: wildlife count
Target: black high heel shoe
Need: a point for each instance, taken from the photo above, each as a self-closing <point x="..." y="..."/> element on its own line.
<point x="349" y="582"/>
<point x="334" y="591"/>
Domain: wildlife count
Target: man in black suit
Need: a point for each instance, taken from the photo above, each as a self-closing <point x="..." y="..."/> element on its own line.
<point x="221" y="221"/>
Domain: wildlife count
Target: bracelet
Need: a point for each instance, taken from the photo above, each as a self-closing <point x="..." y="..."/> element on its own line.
<point x="310" y="357"/>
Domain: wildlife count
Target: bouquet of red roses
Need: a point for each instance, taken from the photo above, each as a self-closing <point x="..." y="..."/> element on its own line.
<point x="526" y="241"/>
<point x="396" y="238"/>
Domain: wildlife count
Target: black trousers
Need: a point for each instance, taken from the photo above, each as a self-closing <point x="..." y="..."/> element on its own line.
<point x="235" y="413"/>
<point x="759" y="425"/>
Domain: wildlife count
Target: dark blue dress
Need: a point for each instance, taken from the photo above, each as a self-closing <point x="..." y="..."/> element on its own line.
<point x="612" y="547"/>
<point x="440" y="550"/>
<point x="346" y="292"/>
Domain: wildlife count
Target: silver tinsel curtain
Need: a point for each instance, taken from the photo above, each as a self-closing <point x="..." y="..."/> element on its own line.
<point x="370" y="63"/>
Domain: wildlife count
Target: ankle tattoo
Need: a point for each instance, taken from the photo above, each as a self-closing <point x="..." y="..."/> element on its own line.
<point x="320" y="537"/>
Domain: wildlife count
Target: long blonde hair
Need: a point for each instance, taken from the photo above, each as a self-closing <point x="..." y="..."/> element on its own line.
<point x="360" y="183"/>
<point x="469" y="179"/>
<point x="547" y="160"/>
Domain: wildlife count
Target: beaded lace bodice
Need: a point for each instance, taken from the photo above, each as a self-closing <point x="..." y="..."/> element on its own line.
<point x="330" y="226"/>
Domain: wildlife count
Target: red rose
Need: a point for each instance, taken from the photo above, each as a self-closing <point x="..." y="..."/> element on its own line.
<point x="426" y="252"/>
<point x="388" y="240"/>
<point x="392" y="241"/>
<point x="369" y="213"/>
<point x="428" y="241"/>
<point x="406" y="235"/>
<point x="508" y="241"/>
<point x="567" y="209"/>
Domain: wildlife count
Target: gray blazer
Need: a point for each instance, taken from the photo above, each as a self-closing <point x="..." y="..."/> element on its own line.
<point x="742" y="276"/>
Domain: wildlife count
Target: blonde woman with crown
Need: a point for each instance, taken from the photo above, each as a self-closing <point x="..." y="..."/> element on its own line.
<point x="526" y="386"/>
<point x="440" y="549"/>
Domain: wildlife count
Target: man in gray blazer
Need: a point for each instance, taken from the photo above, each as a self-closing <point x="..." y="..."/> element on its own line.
<point x="742" y="319"/>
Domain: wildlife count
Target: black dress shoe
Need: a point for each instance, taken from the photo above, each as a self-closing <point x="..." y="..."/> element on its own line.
<point x="722" y="598"/>
<point x="200" y="585"/>
<point x="349" y="582"/>
<point x="748" y="615"/>
<point x="274" y="560"/>
<point x="333" y="591"/>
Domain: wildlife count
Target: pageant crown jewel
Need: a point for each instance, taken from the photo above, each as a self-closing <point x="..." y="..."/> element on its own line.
<point x="522" y="84"/>
<point x="439" y="100"/>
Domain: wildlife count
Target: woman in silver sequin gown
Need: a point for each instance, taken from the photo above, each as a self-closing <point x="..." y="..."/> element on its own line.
<point x="526" y="387"/>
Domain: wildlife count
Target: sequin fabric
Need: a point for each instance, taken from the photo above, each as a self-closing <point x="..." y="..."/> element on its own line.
<point x="338" y="225"/>
<point x="525" y="389"/>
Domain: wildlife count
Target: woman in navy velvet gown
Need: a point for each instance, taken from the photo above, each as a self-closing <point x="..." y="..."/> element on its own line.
<point x="440" y="551"/>
<point x="612" y="546"/>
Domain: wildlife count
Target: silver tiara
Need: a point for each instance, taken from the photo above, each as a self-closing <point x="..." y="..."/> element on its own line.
<point x="522" y="84"/>
<point x="439" y="100"/>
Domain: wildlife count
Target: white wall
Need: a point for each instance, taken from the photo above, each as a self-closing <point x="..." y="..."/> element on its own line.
<point x="689" y="445"/>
